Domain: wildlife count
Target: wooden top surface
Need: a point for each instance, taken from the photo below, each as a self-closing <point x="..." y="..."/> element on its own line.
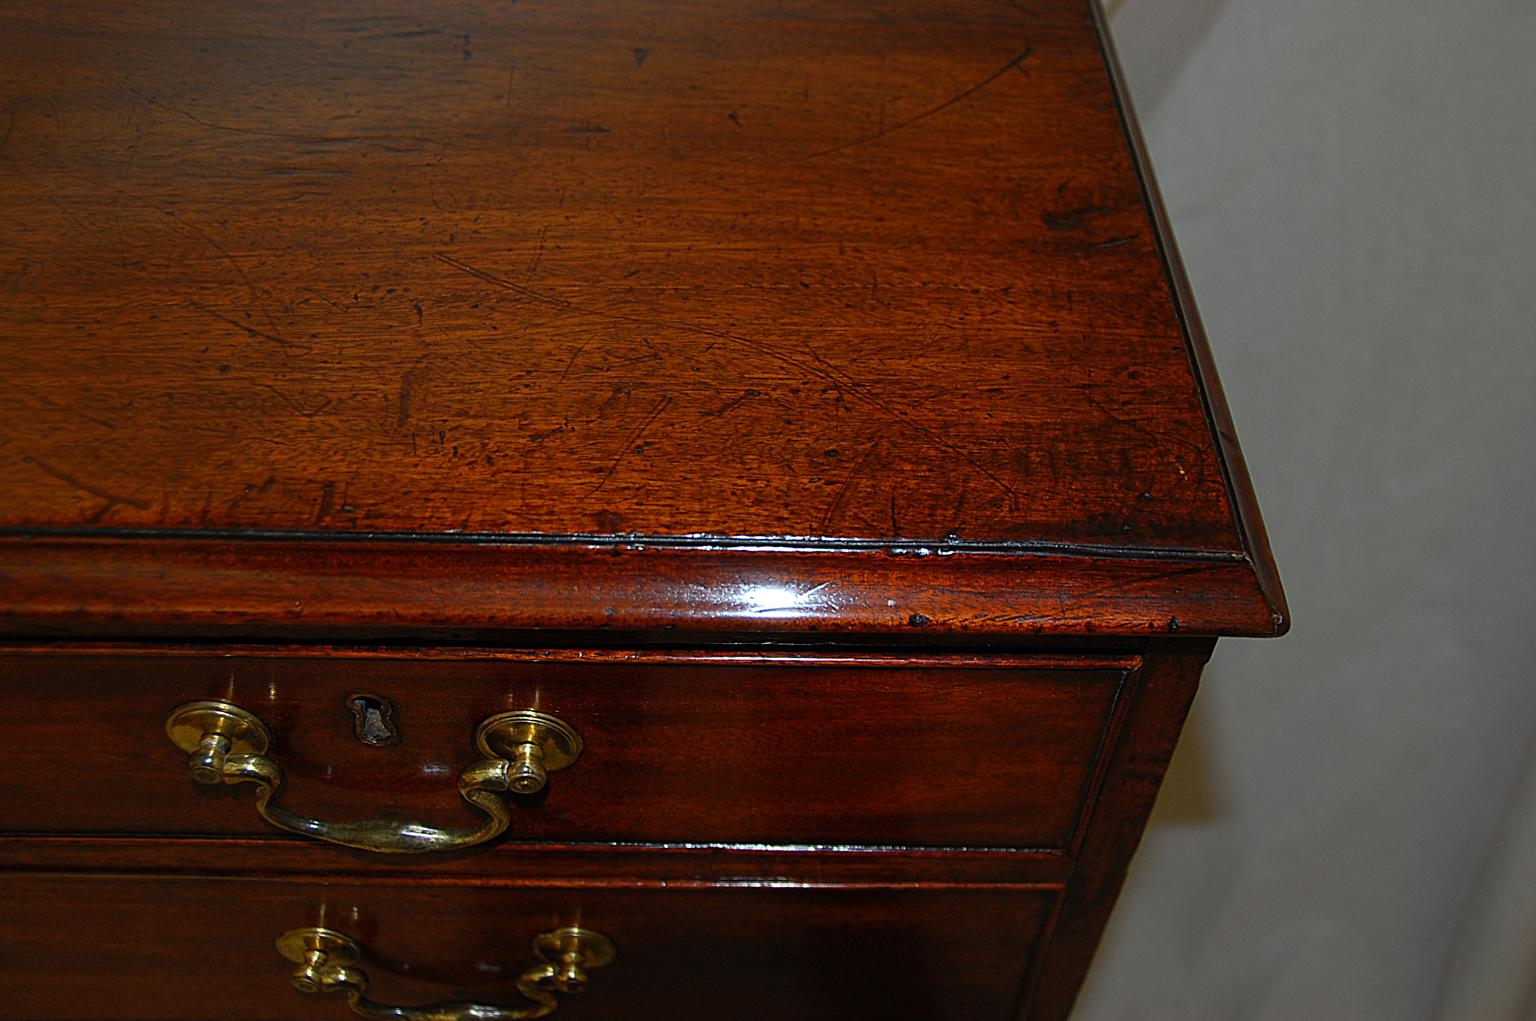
<point x="806" y="272"/>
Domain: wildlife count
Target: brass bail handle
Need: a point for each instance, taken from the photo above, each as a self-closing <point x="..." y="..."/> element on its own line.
<point x="328" y="961"/>
<point x="228" y="745"/>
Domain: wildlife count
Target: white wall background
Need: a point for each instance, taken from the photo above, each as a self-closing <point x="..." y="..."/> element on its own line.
<point x="1353" y="186"/>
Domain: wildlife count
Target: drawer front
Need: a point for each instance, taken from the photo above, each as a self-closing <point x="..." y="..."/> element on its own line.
<point x="112" y="949"/>
<point x="881" y="753"/>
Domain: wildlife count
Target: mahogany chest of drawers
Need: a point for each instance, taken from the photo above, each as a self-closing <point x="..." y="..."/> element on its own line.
<point x="676" y="510"/>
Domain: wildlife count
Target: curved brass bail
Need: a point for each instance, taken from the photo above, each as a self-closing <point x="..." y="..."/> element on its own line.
<point x="327" y="963"/>
<point x="228" y="745"/>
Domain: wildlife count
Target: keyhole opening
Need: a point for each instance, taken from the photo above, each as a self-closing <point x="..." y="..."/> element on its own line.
<point x="373" y="720"/>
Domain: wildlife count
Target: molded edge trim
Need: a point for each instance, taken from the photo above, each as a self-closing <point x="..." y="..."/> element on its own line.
<point x="80" y="587"/>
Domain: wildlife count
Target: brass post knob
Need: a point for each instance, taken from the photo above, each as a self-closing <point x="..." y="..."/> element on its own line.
<point x="535" y="743"/>
<point x="570" y="951"/>
<point x="212" y="731"/>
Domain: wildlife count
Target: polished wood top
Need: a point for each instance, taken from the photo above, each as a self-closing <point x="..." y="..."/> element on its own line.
<point x="809" y="273"/>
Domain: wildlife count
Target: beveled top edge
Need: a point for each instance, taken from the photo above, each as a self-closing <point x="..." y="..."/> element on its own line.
<point x="1241" y="497"/>
<point x="93" y="587"/>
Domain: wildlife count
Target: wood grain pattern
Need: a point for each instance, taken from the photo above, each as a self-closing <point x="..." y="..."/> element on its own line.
<point x="812" y="269"/>
<point x="882" y="755"/>
<point x="188" y="950"/>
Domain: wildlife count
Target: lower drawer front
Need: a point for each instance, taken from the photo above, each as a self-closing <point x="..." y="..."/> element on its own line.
<point x="141" y="949"/>
<point x="990" y="754"/>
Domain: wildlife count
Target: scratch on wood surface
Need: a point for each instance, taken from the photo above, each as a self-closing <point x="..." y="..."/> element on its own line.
<point x="629" y="444"/>
<point x="964" y="94"/>
<point x="291" y="136"/>
<point x="1158" y="438"/>
<point x="189" y="231"/>
<point x="839" y="379"/>
<point x="326" y="502"/>
<point x="48" y="402"/>
<point x="572" y="360"/>
<point x="274" y="338"/>
<point x="954" y="530"/>
<point x="85" y="487"/>
<point x="853" y="473"/>
<point x="1073" y="219"/>
<point x="732" y="404"/>
<point x="411" y="383"/>
<point x="654" y="356"/>
<point x="306" y="412"/>
<point x="533" y="264"/>
<point x="1112" y="590"/>
<point x="415" y="33"/>
<point x="817" y="588"/>
<point x="334" y="304"/>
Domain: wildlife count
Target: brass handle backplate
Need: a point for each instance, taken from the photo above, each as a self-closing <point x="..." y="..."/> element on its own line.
<point x="328" y="963"/>
<point x="227" y="745"/>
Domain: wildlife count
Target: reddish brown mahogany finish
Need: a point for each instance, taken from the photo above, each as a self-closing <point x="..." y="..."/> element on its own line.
<point x="687" y="272"/>
<point x="188" y="950"/>
<point x="804" y="400"/>
<point x="803" y="270"/>
<point x="885" y="754"/>
<point x="1137" y="766"/>
<point x="391" y="589"/>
